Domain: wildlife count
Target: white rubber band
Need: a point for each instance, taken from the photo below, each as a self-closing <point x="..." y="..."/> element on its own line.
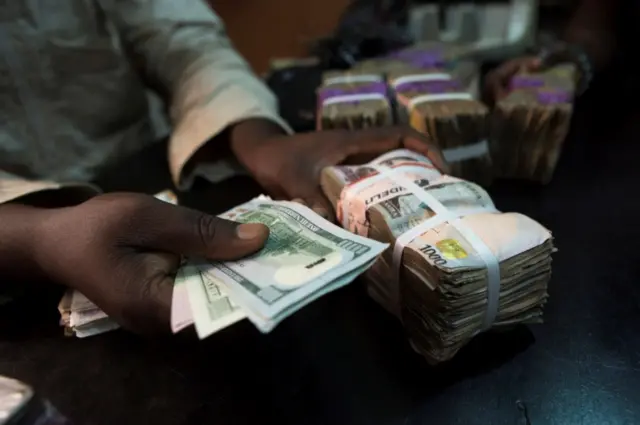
<point x="438" y="97"/>
<point x="419" y="78"/>
<point x="462" y="153"/>
<point x="347" y="79"/>
<point x="353" y="98"/>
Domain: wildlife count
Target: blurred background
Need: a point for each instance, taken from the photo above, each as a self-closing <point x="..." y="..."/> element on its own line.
<point x="272" y="33"/>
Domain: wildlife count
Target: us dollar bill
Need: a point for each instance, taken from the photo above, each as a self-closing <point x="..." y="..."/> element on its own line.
<point x="304" y="257"/>
<point x="210" y="307"/>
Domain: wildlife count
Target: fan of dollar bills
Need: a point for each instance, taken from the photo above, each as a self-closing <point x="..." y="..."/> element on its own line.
<point x="304" y="258"/>
<point x="458" y="266"/>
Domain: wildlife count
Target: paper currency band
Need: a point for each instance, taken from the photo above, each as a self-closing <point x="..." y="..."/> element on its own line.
<point x="463" y="153"/>
<point x="356" y="97"/>
<point x="420" y="78"/>
<point x="439" y="97"/>
<point x="348" y="79"/>
<point x="443" y="214"/>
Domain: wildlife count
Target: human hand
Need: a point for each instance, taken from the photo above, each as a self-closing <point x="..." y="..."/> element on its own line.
<point x="289" y="166"/>
<point x="122" y="251"/>
<point x="496" y="85"/>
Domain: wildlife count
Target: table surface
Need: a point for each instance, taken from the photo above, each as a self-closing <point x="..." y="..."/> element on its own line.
<point x="343" y="360"/>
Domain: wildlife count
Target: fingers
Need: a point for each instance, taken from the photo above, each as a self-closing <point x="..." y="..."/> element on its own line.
<point x="377" y="141"/>
<point x="415" y="141"/>
<point x="189" y="232"/>
<point x="497" y="82"/>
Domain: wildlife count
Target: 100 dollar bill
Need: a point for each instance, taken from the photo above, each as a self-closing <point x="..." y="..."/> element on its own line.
<point x="211" y="308"/>
<point x="305" y="257"/>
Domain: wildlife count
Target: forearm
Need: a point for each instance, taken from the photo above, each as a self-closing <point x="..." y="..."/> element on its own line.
<point x="186" y="52"/>
<point x="19" y="235"/>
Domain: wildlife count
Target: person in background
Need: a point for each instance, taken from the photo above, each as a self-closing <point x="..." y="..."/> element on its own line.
<point x="73" y="102"/>
<point x="589" y="41"/>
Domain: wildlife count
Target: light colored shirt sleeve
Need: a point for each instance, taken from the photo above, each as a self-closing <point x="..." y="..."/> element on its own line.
<point x="13" y="187"/>
<point x="187" y="56"/>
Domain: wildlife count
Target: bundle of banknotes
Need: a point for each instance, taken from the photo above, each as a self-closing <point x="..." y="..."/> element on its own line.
<point x="431" y="89"/>
<point x="304" y="258"/>
<point x="458" y="266"/>
<point x="353" y="100"/>
<point x="444" y="104"/>
<point x="530" y="124"/>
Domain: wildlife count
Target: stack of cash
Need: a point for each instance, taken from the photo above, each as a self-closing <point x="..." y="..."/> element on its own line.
<point x="443" y="103"/>
<point x="530" y="124"/>
<point x="353" y="100"/>
<point x="304" y="258"/>
<point x="458" y="266"/>
<point x="82" y="318"/>
<point x="436" y="91"/>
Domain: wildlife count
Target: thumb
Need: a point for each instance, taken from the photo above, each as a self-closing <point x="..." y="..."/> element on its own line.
<point x="185" y="231"/>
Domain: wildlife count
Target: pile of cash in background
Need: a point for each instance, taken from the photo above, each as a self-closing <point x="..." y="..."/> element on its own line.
<point x="530" y="124"/>
<point x="353" y="101"/>
<point x="434" y="87"/>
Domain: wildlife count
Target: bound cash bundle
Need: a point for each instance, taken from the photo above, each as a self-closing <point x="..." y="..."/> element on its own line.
<point x="437" y="93"/>
<point x="353" y="100"/>
<point x="530" y="124"/>
<point x="457" y="265"/>
<point x="445" y="106"/>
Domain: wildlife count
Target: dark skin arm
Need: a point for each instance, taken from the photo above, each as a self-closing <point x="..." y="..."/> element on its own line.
<point x="289" y="166"/>
<point x="121" y="250"/>
<point x="591" y="27"/>
<point x="19" y="233"/>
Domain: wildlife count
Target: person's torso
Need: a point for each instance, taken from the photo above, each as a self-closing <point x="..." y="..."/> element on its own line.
<point x="70" y="101"/>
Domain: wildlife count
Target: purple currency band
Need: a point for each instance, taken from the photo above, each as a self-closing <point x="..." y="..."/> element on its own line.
<point x="526" y="81"/>
<point x="372" y="88"/>
<point x="428" y="59"/>
<point x="435" y="86"/>
<point x="554" y="96"/>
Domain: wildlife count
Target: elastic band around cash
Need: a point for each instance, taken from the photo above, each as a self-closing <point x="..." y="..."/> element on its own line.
<point x="347" y="98"/>
<point x="434" y="97"/>
<point x="462" y="153"/>
<point x="347" y="79"/>
<point x="442" y="215"/>
<point x="372" y="91"/>
<point x="438" y="97"/>
<point x="420" y="78"/>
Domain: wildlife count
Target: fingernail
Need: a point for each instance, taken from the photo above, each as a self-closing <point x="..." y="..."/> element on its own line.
<point x="250" y="231"/>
